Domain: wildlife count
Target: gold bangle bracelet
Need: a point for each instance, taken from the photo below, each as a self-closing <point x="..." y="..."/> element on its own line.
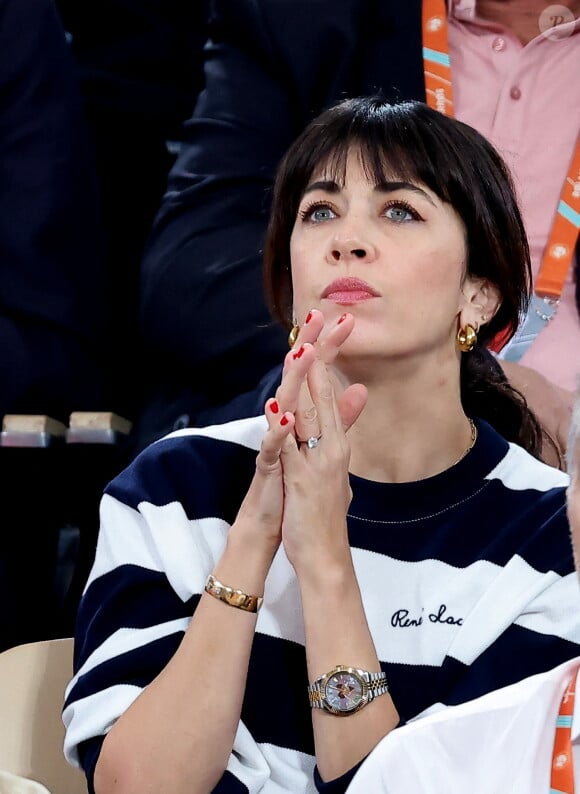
<point x="231" y="597"/>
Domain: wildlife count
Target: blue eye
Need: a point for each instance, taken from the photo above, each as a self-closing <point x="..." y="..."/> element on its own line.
<point x="401" y="213"/>
<point x="322" y="214"/>
<point x="317" y="213"/>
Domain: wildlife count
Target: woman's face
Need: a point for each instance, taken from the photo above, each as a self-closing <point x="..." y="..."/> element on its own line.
<point x="392" y="254"/>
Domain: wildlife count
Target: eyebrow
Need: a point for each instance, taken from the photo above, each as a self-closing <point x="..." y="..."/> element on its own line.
<point x="330" y="186"/>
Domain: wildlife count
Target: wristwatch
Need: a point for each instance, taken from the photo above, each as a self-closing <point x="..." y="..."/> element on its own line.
<point x="344" y="690"/>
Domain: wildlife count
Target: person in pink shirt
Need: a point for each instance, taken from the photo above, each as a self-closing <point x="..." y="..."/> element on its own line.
<point x="268" y="71"/>
<point x="512" y="81"/>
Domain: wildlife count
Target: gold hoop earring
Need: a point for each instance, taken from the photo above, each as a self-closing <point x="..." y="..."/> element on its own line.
<point x="466" y="338"/>
<point x="293" y="335"/>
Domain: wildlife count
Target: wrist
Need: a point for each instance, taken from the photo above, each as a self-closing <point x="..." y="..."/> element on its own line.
<point x="321" y="577"/>
<point x="244" y="556"/>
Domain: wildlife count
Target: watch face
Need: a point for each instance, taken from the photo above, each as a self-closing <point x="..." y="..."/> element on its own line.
<point x="344" y="691"/>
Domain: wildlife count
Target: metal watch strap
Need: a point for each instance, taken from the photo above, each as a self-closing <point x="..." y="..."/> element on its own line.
<point x="377" y="685"/>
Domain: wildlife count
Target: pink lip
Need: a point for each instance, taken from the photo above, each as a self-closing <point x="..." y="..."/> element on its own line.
<point x="347" y="291"/>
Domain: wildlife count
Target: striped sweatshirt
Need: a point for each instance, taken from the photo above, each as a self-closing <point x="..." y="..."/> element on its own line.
<point x="467" y="580"/>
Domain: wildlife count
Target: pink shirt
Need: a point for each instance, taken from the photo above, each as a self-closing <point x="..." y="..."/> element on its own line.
<point x="526" y="101"/>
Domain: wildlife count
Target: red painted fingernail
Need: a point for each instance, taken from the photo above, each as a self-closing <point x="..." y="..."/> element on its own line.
<point x="284" y="421"/>
<point x="299" y="352"/>
<point x="274" y="407"/>
<point x="308" y="318"/>
<point x="342" y="319"/>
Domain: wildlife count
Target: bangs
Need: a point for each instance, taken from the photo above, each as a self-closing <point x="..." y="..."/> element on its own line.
<point x="389" y="147"/>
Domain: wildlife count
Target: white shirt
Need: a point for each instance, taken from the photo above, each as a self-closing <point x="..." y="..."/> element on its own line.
<point x="500" y="743"/>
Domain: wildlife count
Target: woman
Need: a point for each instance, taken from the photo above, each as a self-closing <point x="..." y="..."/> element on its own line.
<point x="391" y="531"/>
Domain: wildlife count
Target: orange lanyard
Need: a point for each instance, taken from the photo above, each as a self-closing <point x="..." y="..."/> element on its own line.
<point x="563" y="237"/>
<point x="562" y="768"/>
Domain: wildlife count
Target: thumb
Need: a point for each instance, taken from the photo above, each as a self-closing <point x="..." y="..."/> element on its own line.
<point x="351" y="404"/>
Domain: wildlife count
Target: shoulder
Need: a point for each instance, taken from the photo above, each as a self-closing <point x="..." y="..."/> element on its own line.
<point x="187" y="460"/>
<point x="519" y="471"/>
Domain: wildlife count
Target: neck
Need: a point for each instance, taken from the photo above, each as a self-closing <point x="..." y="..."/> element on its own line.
<point x="522" y="17"/>
<point x="401" y="437"/>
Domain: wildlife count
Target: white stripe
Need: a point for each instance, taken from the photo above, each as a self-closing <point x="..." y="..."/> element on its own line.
<point x="159" y="538"/>
<point x="486" y="597"/>
<point x="520" y="471"/>
<point x="123" y="537"/>
<point x="124" y="641"/>
<point x="94" y="716"/>
<point x="245" y="432"/>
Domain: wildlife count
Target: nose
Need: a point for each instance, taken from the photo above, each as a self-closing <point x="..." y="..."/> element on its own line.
<point x="351" y="249"/>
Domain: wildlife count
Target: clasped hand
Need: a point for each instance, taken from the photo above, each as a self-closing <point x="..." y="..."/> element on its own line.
<point x="300" y="495"/>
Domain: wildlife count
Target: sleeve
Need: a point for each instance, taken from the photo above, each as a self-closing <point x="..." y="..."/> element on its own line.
<point x="337" y="786"/>
<point x="138" y="600"/>
<point x="53" y="277"/>
<point x="201" y="272"/>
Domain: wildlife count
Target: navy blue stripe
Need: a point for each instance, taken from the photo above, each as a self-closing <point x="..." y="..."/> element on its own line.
<point x="494" y="525"/>
<point x="127" y="597"/>
<point x="278" y="669"/>
<point x="203" y="474"/>
<point x="137" y="667"/>
<point x="516" y="654"/>
<point x="229" y="784"/>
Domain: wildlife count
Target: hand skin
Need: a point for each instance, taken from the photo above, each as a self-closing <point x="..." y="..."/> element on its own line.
<point x="179" y="733"/>
<point x="327" y="341"/>
<point x="314" y="533"/>
<point x="551" y="404"/>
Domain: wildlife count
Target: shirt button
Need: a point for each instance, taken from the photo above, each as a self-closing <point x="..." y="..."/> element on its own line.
<point x="515" y="92"/>
<point x="498" y="44"/>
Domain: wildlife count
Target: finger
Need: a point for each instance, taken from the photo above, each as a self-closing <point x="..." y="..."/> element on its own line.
<point x="322" y="393"/>
<point x="306" y="414"/>
<point x="327" y="340"/>
<point x="280" y="426"/>
<point x="310" y="328"/>
<point x="296" y="365"/>
<point x="333" y="336"/>
<point x="348" y="406"/>
<point x="351" y="404"/>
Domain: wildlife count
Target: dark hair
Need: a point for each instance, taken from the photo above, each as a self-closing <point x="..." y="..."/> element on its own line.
<point x="412" y="142"/>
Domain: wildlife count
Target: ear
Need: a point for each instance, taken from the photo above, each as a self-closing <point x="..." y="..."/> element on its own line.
<point x="481" y="300"/>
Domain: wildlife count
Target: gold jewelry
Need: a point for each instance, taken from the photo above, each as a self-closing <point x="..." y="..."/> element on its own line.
<point x="231" y="597"/>
<point x="293" y="335"/>
<point x="471" y="443"/>
<point x="466" y="338"/>
<point x="443" y="510"/>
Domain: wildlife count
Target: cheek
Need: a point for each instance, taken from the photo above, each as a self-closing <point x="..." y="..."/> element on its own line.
<point x="300" y="269"/>
<point x="444" y="261"/>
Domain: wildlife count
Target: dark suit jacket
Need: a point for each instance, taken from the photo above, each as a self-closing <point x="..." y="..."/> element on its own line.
<point x="271" y="66"/>
<point x="52" y="282"/>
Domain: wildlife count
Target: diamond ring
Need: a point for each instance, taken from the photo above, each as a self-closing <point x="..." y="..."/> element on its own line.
<point x="312" y="442"/>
